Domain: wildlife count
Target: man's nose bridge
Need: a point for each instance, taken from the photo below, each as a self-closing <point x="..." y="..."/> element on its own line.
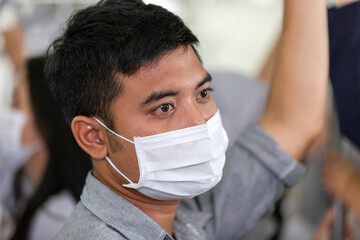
<point x="194" y="115"/>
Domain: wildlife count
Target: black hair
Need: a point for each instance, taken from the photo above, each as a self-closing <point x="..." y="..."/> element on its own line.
<point x="104" y="42"/>
<point x="67" y="165"/>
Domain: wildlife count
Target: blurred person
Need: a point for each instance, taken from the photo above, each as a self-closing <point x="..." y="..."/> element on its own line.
<point x="40" y="22"/>
<point x="11" y="53"/>
<point x="50" y="177"/>
<point x="127" y="74"/>
<point x="11" y="38"/>
<point x="10" y="68"/>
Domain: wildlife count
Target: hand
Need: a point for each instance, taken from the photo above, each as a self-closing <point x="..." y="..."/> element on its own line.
<point x="339" y="177"/>
<point x="323" y="232"/>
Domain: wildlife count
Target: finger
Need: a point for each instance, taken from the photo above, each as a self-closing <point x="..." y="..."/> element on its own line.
<point x="323" y="231"/>
<point x="328" y="219"/>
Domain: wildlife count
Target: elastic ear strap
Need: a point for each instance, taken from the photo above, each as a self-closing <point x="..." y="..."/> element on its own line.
<point x="113" y="131"/>
<point x="111" y="163"/>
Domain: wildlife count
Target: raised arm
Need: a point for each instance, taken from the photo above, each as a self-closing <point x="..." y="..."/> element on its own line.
<point x="296" y="105"/>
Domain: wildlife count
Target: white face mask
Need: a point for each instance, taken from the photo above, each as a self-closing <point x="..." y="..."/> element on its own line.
<point x="12" y="152"/>
<point x="179" y="164"/>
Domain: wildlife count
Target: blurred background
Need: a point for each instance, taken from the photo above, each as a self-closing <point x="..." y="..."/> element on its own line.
<point x="238" y="40"/>
<point x="235" y="35"/>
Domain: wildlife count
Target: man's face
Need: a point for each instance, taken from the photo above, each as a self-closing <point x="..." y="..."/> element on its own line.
<point x="171" y="95"/>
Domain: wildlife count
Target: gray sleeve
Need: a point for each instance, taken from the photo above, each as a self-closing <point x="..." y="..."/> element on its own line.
<point x="256" y="173"/>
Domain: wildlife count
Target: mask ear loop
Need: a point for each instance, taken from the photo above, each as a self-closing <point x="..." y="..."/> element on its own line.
<point x="106" y="157"/>
<point x="113" y="131"/>
<point x="111" y="163"/>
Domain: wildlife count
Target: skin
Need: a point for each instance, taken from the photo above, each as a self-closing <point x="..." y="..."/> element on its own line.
<point x="179" y="71"/>
<point x="266" y="72"/>
<point x="300" y="82"/>
<point x="341" y="180"/>
<point x="323" y="232"/>
<point x="14" y="47"/>
<point x="295" y="110"/>
<point x="36" y="164"/>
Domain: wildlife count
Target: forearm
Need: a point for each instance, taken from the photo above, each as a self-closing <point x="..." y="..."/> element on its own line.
<point x="296" y="104"/>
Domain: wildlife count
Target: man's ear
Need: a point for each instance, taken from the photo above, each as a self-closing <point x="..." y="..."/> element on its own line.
<point x="90" y="136"/>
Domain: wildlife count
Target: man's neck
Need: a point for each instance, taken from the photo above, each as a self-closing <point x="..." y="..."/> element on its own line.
<point x="162" y="212"/>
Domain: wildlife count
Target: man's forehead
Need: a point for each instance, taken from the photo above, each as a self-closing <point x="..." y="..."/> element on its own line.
<point x="179" y="68"/>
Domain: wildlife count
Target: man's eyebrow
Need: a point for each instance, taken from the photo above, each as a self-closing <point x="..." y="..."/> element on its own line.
<point x="156" y="96"/>
<point x="207" y="78"/>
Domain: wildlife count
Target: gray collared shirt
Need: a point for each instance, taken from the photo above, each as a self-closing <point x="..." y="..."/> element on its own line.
<point x="256" y="172"/>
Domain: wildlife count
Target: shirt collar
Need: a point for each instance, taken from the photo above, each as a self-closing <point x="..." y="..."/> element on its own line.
<point x="190" y="223"/>
<point x="119" y="213"/>
<point x="134" y="224"/>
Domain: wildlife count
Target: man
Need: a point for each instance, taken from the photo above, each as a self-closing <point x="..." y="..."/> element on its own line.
<point x="138" y="98"/>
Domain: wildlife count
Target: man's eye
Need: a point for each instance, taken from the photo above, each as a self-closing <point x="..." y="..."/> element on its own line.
<point x="165" y="108"/>
<point x="205" y="93"/>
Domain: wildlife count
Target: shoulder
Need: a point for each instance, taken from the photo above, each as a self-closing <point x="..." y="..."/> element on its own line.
<point x="259" y="151"/>
<point x="83" y="224"/>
